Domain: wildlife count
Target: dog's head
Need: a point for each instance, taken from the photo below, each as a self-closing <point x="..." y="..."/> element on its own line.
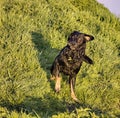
<point x="77" y="39"/>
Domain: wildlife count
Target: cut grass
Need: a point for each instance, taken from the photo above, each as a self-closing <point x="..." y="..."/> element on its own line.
<point x="32" y="34"/>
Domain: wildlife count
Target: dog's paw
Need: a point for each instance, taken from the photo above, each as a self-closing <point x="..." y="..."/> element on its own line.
<point x="52" y="78"/>
<point x="57" y="90"/>
<point x="91" y="62"/>
<point x="75" y="98"/>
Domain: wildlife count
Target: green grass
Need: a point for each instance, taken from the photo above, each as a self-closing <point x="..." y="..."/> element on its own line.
<point x="31" y="34"/>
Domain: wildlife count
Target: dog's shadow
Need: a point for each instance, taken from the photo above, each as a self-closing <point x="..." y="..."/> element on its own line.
<point x="46" y="53"/>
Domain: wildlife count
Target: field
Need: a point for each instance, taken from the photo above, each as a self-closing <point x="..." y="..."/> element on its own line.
<point x="32" y="32"/>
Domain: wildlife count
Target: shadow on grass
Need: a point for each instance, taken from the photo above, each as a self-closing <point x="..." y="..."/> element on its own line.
<point x="50" y="104"/>
<point x="47" y="106"/>
<point x="53" y="104"/>
<point x="46" y="54"/>
<point x="43" y="106"/>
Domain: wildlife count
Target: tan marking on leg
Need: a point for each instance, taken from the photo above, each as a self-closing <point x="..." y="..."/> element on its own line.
<point x="58" y="84"/>
<point x="72" y="92"/>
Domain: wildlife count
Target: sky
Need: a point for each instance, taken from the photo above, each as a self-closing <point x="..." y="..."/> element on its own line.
<point x="112" y="5"/>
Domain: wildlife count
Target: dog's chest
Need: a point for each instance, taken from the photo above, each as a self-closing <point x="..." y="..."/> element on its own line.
<point x="74" y="57"/>
<point x="71" y="57"/>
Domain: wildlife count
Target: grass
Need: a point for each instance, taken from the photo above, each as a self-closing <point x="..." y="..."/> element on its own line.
<point x="31" y="34"/>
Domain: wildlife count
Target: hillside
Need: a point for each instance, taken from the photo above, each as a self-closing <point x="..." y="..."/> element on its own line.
<point x="32" y="32"/>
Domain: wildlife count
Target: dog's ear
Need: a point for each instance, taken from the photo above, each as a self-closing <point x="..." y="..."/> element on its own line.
<point x="88" y="37"/>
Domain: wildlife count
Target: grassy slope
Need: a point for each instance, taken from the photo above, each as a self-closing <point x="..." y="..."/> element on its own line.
<point x="32" y="33"/>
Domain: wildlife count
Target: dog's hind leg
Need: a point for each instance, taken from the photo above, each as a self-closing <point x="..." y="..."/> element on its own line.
<point x="72" y="81"/>
<point x="58" y="84"/>
<point x="55" y="76"/>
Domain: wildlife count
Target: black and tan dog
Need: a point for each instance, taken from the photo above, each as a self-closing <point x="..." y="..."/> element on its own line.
<point x="70" y="59"/>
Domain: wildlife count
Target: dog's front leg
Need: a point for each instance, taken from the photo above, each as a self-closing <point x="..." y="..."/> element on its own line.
<point x="87" y="59"/>
<point x="72" y="81"/>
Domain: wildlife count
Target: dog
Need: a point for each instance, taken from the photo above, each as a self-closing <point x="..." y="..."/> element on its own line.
<point x="70" y="59"/>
